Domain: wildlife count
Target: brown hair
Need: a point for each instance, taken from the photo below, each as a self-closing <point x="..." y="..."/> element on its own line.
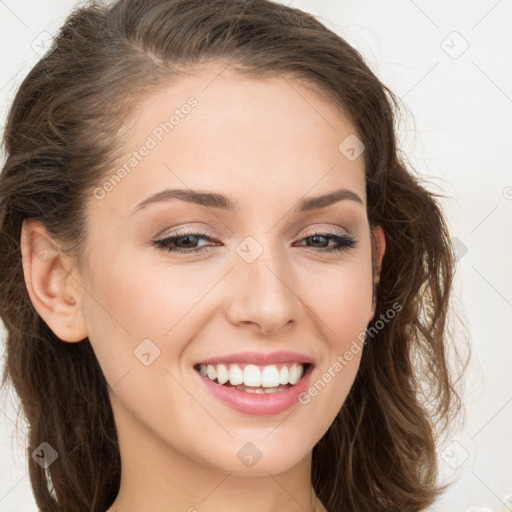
<point x="64" y="133"/>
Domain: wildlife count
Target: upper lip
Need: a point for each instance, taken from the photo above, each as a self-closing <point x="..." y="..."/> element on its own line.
<point x="259" y="358"/>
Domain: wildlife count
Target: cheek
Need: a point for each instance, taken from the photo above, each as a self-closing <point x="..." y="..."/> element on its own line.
<point x="348" y="310"/>
<point x="126" y="305"/>
<point x="141" y="300"/>
<point x="343" y="304"/>
<point x="342" y="299"/>
<point x="131" y="301"/>
<point x="343" y="308"/>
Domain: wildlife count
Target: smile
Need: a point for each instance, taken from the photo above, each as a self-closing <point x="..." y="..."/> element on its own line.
<point x="253" y="378"/>
<point x="256" y="389"/>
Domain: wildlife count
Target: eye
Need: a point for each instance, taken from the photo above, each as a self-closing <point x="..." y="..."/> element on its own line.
<point x="184" y="242"/>
<point x="185" y="238"/>
<point x="343" y="241"/>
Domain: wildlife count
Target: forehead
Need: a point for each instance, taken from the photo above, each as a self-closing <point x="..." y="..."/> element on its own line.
<point x="256" y="140"/>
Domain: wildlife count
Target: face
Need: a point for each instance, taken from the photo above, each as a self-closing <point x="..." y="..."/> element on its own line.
<point x="173" y="283"/>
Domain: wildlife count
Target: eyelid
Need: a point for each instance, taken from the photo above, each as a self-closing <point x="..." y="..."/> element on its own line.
<point x="322" y="231"/>
<point x="189" y="229"/>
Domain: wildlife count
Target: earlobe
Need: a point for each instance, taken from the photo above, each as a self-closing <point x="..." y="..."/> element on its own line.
<point x="54" y="291"/>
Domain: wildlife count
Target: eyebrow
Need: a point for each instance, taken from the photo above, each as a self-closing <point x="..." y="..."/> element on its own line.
<point x="222" y="202"/>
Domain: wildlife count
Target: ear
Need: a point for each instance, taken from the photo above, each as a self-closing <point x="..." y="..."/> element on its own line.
<point x="55" y="293"/>
<point x="378" y="250"/>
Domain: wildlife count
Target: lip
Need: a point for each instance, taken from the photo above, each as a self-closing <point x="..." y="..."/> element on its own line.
<point x="259" y="358"/>
<point x="257" y="404"/>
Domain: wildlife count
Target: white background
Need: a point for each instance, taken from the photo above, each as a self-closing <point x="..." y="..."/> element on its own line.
<point x="457" y="131"/>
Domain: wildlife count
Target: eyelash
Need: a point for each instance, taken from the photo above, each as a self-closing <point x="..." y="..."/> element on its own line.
<point x="345" y="242"/>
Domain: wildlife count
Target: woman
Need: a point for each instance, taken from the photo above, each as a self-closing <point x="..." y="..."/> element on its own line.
<point x="223" y="288"/>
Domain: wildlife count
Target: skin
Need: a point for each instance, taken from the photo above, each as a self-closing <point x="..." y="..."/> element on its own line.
<point x="266" y="145"/>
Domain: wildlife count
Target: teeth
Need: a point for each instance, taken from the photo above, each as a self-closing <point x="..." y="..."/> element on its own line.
<point x="252" y="376"/>
<point x="269" y="377"/>
<point x="211" y="372"/>
<point x="283" y="375"/>
<point x="222" y="374"/>
<point x="236" y="375"/>
<point x="271" y="390"/>
<point x="295" y="374"/>
<point x="260" y="391"/>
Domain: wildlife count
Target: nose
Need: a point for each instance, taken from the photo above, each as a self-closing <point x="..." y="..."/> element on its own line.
<point x="264" y="293"/>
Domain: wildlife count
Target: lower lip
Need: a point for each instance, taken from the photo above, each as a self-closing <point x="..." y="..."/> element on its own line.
<point x="258" y="404"/>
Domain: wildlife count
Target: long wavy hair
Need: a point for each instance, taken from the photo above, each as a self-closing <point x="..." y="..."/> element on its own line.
<point x="64" y="134"/>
